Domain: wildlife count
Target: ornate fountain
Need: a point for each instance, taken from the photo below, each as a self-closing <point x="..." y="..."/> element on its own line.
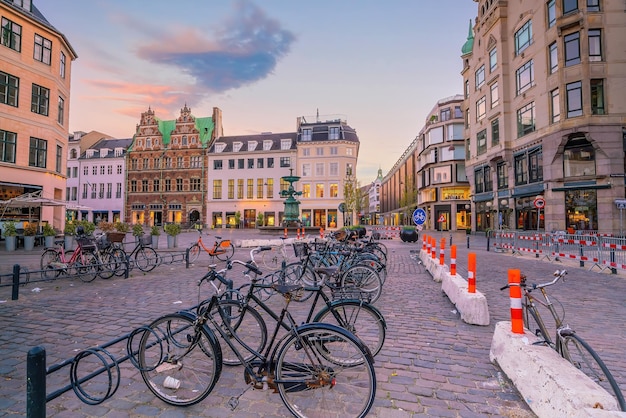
<point x="292" y="205"/>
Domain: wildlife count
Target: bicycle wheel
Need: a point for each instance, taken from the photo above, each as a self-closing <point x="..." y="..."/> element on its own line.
<point x="584" y="358"/>
<point x="532" y="321"/>
<point x="248" y="326"/>
<point x="225" y="251"/>
<point x="120" y="258"/>
<point x="146" y="259"/>
<point x="310" y="380"/>
<point x="361" y="319"/>
<point x="273" y="259"/>
<point x="86" y="267"/>
<point x="363" y="279"/>
<point x="49" y="258"/>
<point x="297" y="273"/>
<point x="194" y="252"/>
<point x="106" y="265"/>
<point x="179" y="361"/>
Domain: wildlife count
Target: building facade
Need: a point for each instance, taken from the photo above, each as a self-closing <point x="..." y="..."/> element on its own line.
<point x="245" y="179"/>
<point x="545" y="114"/>
<point x="442" y="187"/>
<point x="34" y="110"/>
<point x="373" y="200"/>
<point x="398" y="188"/>
<point x="167" y="168"/>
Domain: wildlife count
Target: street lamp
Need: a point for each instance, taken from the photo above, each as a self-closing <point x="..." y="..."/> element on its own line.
<point x="489" y="204"/>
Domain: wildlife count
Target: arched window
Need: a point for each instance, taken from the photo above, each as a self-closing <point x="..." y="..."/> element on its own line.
<point x="73" y="153"/>
<point x="579" y="157"/>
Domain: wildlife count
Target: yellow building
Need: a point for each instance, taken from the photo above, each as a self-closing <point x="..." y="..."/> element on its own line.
<point x="34" y="110"/>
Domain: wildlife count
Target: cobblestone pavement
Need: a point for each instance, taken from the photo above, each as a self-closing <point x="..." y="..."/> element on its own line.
<point x="432" y="364"/>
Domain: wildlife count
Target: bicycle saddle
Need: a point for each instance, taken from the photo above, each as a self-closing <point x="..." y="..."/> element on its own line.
<point x="283" y="289"/>
<point x="328" y="271"/>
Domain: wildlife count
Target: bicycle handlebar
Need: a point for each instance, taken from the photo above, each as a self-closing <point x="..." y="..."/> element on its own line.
<point x="251" y="267"/>
<point x="559" y="274"/>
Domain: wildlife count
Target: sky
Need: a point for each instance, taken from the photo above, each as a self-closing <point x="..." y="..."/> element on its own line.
<point x="381" y="66"/>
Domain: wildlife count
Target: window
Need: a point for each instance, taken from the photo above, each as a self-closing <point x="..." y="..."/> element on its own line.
<point x="270" y="162"/>
<point x="444" y="114"/>
<point x="62" y="65"/>
<point x="535" y="166"/>
<point x="9" y="89"/>
<point x="495" y="132"/>
<point x="493" y="59"/>
<point x="467" y="89"/>
<point x="319" y="169"/>
<point x="306" y="152"/>
<point x="184" y="140"/>
<point x="231" y="164"/>
<point x="250" y="162"/>
<point x="502" y="173"/>
<point x="488" y="179"/>
<point x="334" y="150"/>
<point x="43" y="49"/>
<point x="259" y="188"/>
<point x="481" y="142"/>
<point x="144" y="185"/>
<point x="250" y="189"/>
<point x="307" y="134"/>
<point x="252" y="145"/>
<point x="595" y="44"/>
<point x="480" y="76"/>
<point x="495" y="96"/>
<point x="521" y="169"/>
<point x="168" y="185"/>
<point x="7" y="146"/>
<point x="306" y="190"/>
<point x="597" y="97"/>
<point x="593" y="5"/>
<point x="61" y="108"/>
<point x="285" y="161"/>
<point x="241" y="163"/>
<point x="524" y="78"/>
<point x="217" y="164"/>
<point x="11" y="35"/>
<point x="551" y="13"/>
<point x="481" y="108"/>
<point x="479" y="180"/>
<point x="219" y="146"/>
<point x="579" y="157"/>
<point x="146" y="164"/>
<point x="348" y="151"/>
<point x="555" y="106"/>
<point x="59" y="159"/>
<point x="259" y="163"/>
<point x="574" y="99"/>
<point x="348" y="169"/>
<point x="195" y="161"/>
<point x="101" y="193"/>
<point x="333" y="169"/>
<point x="118" y="169"/>
<point x="572" y="49"/>
<point x="118" y="191"/>
<point x="110" y="190"/>
<point x="231" y="188"/>
<point x="306" y="170"/>
<point x="333" y="132"/>
<point x="93" y="191"/>
<point x="179" y="185"/>
<point x="553" y="57"/>
<point x="179" y="162"/>
<point x="38" y="152"/>
<point x="267" y="144"/>
<point x="195" y="184"/>
<point x="285" y="144"/>
<point x="523" y="37"/>
<point x="94" y="170"/>
<point x="334" y="190"/>
<point x="569" y="6"/>
<point x="239" y="188"/>
<point x="319" y="151"/>
<point x="39" y="100"/>
<point x="270" y="188"/>
<point x="458" y="113"/>
<point x="319" y="190"/>
<point x="526" y="119"/>
<point x="237" y="146"/>
<point x="217" y="189"/>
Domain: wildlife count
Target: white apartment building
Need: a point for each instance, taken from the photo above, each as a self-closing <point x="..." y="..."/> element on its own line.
<point x="244" y="175"/>
<point x="374" y="199"/>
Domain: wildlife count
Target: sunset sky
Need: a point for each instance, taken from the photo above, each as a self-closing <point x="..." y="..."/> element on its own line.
<point x="380" y="65"/>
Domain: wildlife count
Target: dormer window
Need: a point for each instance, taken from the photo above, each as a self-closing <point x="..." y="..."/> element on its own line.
<point x="252" y="145"/>
<point x="237" y="146"/>
<point x="285" y="144"/>
<point x="89" y="153"/>
<point x="104" y="152"/>
<point x="307" y="134"/>
<point x="119" y="151"/>
<point x="333" y="133"/>
<point x="219" y="146"/>
<point x="267" y="144"/>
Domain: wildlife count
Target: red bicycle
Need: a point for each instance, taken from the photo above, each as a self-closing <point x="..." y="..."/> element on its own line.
<point x="81" y="262"/>
<point x="223" y="249"/>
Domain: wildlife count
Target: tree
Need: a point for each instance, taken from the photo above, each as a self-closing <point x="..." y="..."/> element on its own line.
<point x="353" y="197"/>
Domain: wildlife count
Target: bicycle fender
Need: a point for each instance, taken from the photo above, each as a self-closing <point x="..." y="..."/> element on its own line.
<point x="209" y="332"/>
<point x="350" y="302"/>
<point x="344" y="332"/>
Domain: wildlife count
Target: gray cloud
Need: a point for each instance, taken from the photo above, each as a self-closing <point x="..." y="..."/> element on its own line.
<point x="246" y="48"/>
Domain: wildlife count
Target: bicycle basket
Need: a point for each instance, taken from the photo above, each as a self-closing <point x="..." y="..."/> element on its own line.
<point x="342" y="293"/>
<point x="300" y="249"/>
<point x="116" y="236"/>
<point x="86" y="243"/>
<point x="320" y="245"/>
<point x="103" y="242"/>
<point x="146" y="239"/>
<point x="225" y="243"/>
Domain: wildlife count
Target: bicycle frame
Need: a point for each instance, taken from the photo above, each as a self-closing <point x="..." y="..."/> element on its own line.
<point x="216" y="248"/>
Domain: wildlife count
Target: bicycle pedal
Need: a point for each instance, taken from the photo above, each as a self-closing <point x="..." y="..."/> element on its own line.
<point x="233" y="403"/>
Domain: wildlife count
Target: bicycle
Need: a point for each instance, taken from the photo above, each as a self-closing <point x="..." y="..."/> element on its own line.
<point x="276" y="257"/>
<point x="314" y="367"/>
<point x="566" y="342"/>
<point x="143" y="256"/>
<point x="222" y="249"/>
<point x="81" y="262"/>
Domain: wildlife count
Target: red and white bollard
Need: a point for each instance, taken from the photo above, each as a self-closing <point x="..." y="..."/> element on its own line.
<point x="471" y="273"/>
<point x="515" y="293"/>
<point x="453" y="260"/>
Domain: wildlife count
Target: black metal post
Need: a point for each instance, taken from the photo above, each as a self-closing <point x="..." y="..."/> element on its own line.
<point x="36" y="382"/>
<point x="450" y="239"/>
<point x="488" y="238"/>
<point x="582" y="253"/>
<point x="468" y="241"/>
<point x="15" y="293"/>
<point x="612" y="259"/>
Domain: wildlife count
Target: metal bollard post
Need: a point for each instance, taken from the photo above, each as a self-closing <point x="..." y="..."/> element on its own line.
<point x="15" y="294"/>
<point x="468" y="241"/>
<point x="612" y="260"/>
<point x="488" y="238"/>
<point x="450" y="239"/>
<point x="36" y="382"/>
<point x="582" y="253"/>
<point x="187" y="258"/>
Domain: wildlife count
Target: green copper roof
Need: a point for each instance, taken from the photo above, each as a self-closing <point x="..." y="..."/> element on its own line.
<point x="204" y="126"/>
<point x="469" y="44"/>
<point x="166" y="127"/>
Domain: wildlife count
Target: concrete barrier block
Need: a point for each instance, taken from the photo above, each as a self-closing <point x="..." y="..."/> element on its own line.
<point x="549" y="384"/>
<point x="472" y="306"/>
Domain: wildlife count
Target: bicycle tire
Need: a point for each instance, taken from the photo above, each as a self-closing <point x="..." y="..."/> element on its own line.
<point x="273" y="259"/>
<point x="225" y="252"/>
<point x="578" y="352"/>
<point x="247" y="324"/>
<point x="194" y="252"/>
<point x="106" y="265"/>
<point x="306" y="370"/>
<point x="86" y="267"/>
<point x="175" y="347"/>
<point x="48" y="270"/>
<point x="531" y="322"/>
<point x="146" y="259"/>
<point x="364" y="279"/>
<point x="361" y="319"/>
<point x="121" y="261"/>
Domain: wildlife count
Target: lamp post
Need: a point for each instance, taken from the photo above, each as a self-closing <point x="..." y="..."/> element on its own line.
<point x="489" y="204"/>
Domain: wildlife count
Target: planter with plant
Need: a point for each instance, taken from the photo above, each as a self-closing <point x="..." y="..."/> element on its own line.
<point x="29" y="236"/>
<point x="106" y="226"/>
<point x="172" y="230"/>
<point x="237" y="219"/>
<point x="137" y="230"/>
<point x="88" y="226"/>
<point x="49" y="233"/>
<point x="10" y="235"/>
<point x="154" y="233"/>
<point x="408" y="234"/>
<point x="121" y="227"/>
<point x="69" y="231"/>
